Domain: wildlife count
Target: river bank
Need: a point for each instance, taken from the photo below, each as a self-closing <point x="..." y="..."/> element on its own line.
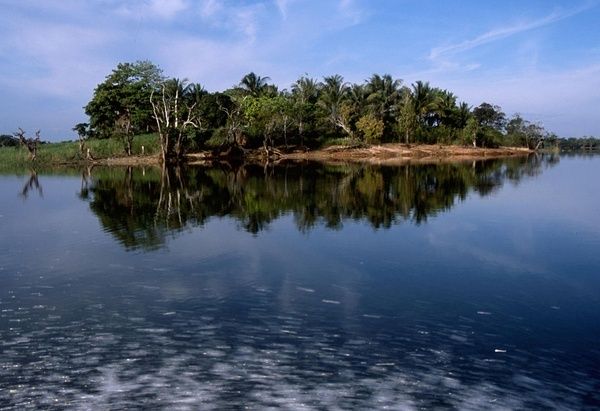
<point x="385" y="154"/>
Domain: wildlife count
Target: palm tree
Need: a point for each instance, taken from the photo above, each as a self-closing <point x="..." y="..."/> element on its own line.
<point x="305" y="92"/>
<point x="384" y="93"/>
<point x="305" y="89"/>
<point x="424" y="99"/>
<point x="358" y="95"/>
<point x="254" y="85"/>
<point x="334" y="92"/>
<point x="194" y="92"/>
<point x="463" y="113"/>
<point x="445" y="107"/>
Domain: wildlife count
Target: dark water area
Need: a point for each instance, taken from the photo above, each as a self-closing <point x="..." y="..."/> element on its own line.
<point x="302" y="286"/>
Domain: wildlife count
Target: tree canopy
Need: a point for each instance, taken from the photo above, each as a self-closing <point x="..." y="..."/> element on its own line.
<point x="256" y="113"/>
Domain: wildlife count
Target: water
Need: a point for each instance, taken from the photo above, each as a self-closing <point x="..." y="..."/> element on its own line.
<point x="465" y="286"/>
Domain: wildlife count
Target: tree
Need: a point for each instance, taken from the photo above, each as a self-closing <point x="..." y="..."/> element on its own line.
<point x="522" y="132"/>
<point x="424" y="99"/>
<point x="305" y="93"/>
<point x="254" y="85"/>
<point x="470" y="131"/>
<point x="8" y="141"/>
<point x="490" y="116"/>
<point x="232" y="108"/>
<point x="384" y="94"/>
<point x="175" y="115"/>
<point x="31" y="144"/>
<point x="371" y="127"/>
<point x="83" y="132"/>
<point x="122" y="102"/>
<point x="408" y="119"/>
<point x="266" y="115"/>
<point x="333" y="102"/>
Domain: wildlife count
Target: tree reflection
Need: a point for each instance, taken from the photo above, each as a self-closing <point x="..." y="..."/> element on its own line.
<point x="142" y="207"/>
<point x="32" y="183"/>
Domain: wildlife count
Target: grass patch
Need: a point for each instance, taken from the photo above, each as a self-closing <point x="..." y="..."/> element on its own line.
<point x="68" y="151"/>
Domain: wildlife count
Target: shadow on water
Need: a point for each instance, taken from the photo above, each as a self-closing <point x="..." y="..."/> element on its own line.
<point x="142" y="207"/>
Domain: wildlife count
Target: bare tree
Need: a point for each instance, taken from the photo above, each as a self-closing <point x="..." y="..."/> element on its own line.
<point x="30" y="143"/>
<point x="83" y="132"/>
<point x="235" y="123"/>
<point x="125" y="132"/>
<point x="174" y="117"/>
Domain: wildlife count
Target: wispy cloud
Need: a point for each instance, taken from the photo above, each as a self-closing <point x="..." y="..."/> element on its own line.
<point x="209" y="8"/>
<point x="351" y="11"/>
<point x="282" y="6"/>
<point x="167" y="8"/>
<point x="161" y="9"/>
<point x="503" y="32"/>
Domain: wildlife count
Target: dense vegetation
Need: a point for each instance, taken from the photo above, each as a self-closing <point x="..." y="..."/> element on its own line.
<point x="137" y="98"/>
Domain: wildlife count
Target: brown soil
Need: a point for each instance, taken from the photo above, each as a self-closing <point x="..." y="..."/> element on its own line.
<point x="402" y="153"/>
<point x="128" y="161"/>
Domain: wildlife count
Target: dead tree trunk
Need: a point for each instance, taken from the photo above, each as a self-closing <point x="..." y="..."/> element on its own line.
<point x="30" y="143"/>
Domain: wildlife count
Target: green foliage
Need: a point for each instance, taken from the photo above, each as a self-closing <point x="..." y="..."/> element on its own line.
<point x="312" y="113"/>
<point x="408" y="120"/>
<point x="490" y="116"/>
<point x="268" y="116"/>
<point x="256" y="86"/>
<point x="123" y="99"/>
<point x="524" y="133"/>
<point x="470" y="131"/>
<point x="371" y="128"/>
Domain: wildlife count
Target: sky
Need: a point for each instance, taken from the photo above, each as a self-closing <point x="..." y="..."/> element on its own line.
<point x="539" y="58"/>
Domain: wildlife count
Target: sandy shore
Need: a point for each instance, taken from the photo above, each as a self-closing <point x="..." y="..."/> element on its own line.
<point x="402" y="153"/>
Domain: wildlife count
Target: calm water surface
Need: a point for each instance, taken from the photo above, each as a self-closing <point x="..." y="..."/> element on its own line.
<point x="466" y="286"/>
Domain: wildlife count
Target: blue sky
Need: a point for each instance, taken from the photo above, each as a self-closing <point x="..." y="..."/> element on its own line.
<point x="537" y="58"/>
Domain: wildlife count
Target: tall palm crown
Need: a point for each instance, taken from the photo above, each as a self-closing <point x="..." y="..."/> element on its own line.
<point x="305" y="89"/>
<point x="333" y="92"/>
<point x="253" y="84"/>
<point x="384" y="94"/>
<point x="423" y="97"/>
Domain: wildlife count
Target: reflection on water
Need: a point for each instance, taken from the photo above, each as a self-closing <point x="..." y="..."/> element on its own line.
<point x="31" y="184"/>
<point x="270" y="288"/>
<point x="139" y="207"/>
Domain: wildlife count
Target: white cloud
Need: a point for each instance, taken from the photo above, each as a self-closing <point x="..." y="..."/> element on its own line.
<point x="351" y="12"/>
<point x="157" y="9"/>
<point x="167" y="8"/>
<point x="282" y="6"/>
<point x="501" y="33"/>
<point x="209" y="8"/>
